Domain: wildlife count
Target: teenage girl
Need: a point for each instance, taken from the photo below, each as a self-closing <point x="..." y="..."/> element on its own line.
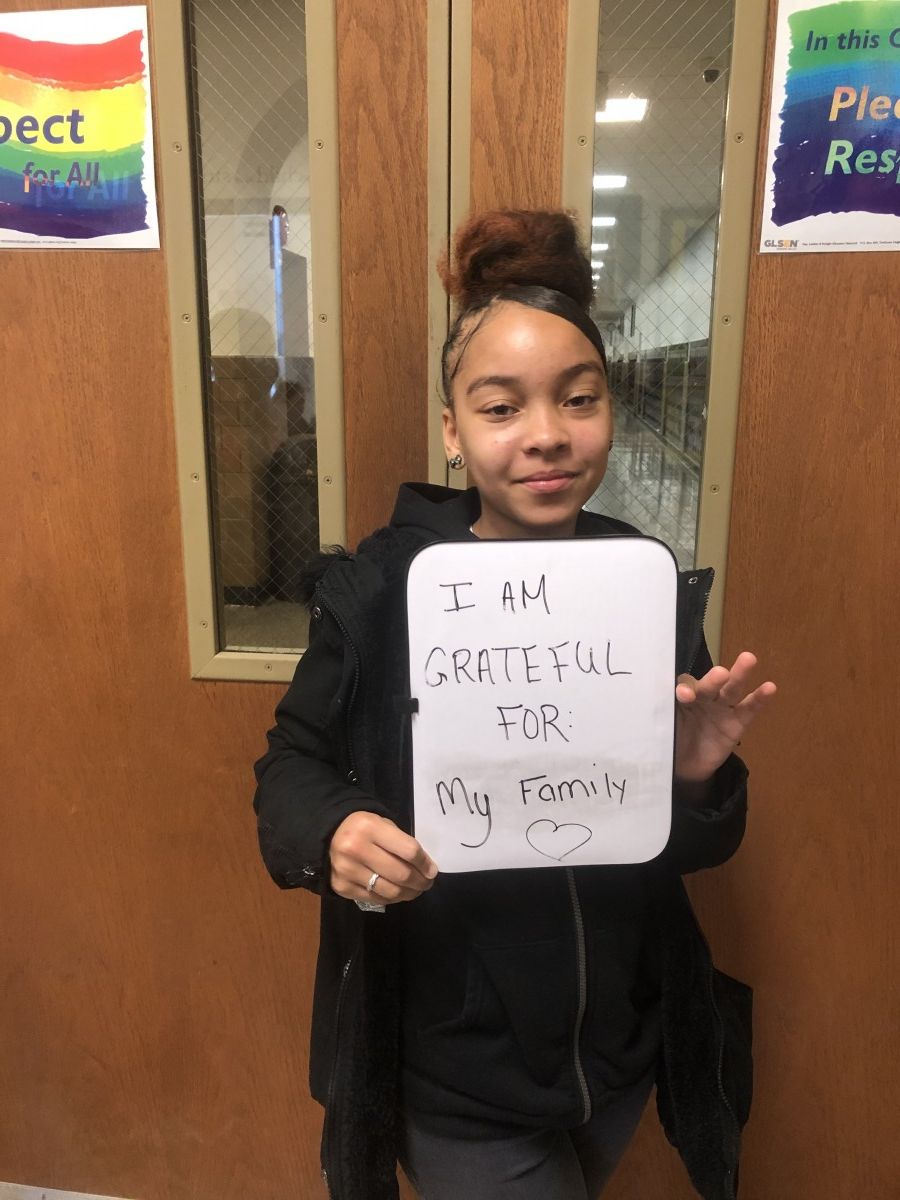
<point x="500" y="1032"/>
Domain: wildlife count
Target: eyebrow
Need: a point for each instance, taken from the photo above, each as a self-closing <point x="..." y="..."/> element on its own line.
<point x="565" y="376"/>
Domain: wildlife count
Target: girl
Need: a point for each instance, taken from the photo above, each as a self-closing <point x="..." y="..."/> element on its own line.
<point x="500" y="1031"/>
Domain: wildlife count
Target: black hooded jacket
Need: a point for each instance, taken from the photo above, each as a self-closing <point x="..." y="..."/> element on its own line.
<point x="519" y="997"/>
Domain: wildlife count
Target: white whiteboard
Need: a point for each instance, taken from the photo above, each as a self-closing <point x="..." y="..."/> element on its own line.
<point x="544" y="676"/>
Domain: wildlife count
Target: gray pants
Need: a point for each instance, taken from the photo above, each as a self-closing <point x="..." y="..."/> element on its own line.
<point x="525" y="1164"/>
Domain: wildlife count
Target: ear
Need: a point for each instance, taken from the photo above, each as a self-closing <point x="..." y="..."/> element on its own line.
<point x="450" y="434"/>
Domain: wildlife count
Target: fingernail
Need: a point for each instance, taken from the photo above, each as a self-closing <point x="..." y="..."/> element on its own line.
<point x="432" y="871"/>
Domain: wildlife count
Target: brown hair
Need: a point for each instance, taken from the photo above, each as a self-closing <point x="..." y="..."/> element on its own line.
<point x="529" y="257"/>
<point x="512" y="248"/>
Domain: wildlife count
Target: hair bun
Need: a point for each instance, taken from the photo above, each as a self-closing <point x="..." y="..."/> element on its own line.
<point x="517" y="248"/>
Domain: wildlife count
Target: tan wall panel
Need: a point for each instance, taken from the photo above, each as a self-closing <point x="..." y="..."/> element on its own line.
<point x="154" y="987"/>
<point x="814" y="567"/>
<point x="518" y="95"/>
<point x="814" y="564"/>
<point x="382" y="56"/>
<point x="155" y="983"/>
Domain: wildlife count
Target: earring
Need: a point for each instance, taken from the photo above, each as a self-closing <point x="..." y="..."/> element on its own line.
<point x="456" y="463"/>
<point x="610" y="443"/>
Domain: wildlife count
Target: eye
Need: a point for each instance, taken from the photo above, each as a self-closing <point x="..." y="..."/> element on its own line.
<point x="499" y="409"/>
<point x="581" y="401"/>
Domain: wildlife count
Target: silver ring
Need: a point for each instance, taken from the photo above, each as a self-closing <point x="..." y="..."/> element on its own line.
<point x="373" y="879"/>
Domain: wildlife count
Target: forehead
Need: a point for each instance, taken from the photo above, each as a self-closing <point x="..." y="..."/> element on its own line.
<point x="514" y="339"/>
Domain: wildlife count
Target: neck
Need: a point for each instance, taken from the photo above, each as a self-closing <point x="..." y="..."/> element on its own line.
<point x="487" y="528"/>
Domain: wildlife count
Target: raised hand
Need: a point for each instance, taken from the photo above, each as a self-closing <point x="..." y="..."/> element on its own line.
<point x="366" y="845"/>
<point x="713" y="714"/>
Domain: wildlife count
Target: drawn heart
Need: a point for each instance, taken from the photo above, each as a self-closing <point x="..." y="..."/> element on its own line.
<point x="556" y="841"/>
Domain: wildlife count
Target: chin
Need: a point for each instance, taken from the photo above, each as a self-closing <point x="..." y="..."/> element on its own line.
<point x="547" y="518"/>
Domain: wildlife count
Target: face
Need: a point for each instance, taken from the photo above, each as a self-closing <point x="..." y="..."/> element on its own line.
<point x="532" y="419"/>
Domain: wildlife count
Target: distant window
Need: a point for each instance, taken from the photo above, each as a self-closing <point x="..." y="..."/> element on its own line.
<point x="661" y="91"/>
<point x="249" y="96"/>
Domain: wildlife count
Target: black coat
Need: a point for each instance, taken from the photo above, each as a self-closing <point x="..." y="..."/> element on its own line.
<point x="338" y="747"/>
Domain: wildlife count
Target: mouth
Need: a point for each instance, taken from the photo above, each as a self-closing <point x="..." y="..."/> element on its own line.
<point x="548" y="481"/>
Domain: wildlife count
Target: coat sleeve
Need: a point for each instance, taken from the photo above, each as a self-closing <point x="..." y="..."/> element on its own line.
<point x="305" y="785"/>
<point x="707" y="837"/>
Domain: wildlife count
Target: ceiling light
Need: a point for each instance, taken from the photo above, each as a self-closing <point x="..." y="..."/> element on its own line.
<point x="599" y="246"/>
<point x="604" y="183"/>
<point x="603" y="222"/>
<point x="597" y="265"/>
<point x="631" y="108"/>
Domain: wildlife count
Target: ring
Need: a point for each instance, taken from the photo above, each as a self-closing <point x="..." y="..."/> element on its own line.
<point x="373" y="879"/>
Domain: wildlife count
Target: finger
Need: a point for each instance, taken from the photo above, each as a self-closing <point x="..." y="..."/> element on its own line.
<point x="394" y="870"/>
<point x="739" y="683"/>
<point x="387" y="893"/>
<point x="756" y="701"/>
<point x="356" y="836"/>
<point x="730" y="686"/>
<point x="688" y="689"/>
<point x="401" y="845"/>
<point x="383" y="890"/>
<point x="382" y="893"/>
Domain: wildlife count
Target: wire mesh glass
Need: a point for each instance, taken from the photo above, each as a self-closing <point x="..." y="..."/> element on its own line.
<point x="251" y="156"/>
<point x="661" y="89"/>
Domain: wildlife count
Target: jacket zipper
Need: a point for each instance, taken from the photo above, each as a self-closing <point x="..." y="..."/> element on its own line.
<point x="330" y="1157"/>
<point x="581" y="955"/>
<point x="706" y="597"/>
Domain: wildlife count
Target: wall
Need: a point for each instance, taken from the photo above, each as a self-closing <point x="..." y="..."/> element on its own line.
<point x="814" y="561"/>
<point x="155" y="984"/>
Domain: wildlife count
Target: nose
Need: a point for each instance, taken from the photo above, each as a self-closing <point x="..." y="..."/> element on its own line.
<point x="546" y="430"/>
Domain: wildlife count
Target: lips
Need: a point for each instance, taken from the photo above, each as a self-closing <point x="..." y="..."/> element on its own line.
<point x="548" y="481"/>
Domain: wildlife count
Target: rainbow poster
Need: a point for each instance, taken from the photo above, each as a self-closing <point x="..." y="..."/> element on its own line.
<point x="76" y="134"/>
<point x="833" y="164"/>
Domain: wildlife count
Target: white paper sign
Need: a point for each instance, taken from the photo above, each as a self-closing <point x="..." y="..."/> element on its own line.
<point x="544" y="675"/>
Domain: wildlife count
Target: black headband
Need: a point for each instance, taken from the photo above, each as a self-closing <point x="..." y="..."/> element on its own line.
<point x="544" y="299"/>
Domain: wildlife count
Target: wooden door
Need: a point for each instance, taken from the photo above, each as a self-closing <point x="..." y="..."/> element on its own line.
<point x="155" y="994"/>
<point x="156" y="985"/>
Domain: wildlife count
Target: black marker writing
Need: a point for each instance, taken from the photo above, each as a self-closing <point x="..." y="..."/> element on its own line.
<point x="457" y="607"/>
<point x="556" y="841"/>
<point x="447" y="795"/>
<point x="505" y="651"/>
<point x="532" y="674"/>
<point x="509" y="600"/>
<point x="530" y="724"/>
<point x="518" y="664"/>
<point x="589" y="666"/>
<point x="620" y="787"/>
<point x="609" y="669"/>
<point x="558" y="666"/>
<point x="560" y="791"/>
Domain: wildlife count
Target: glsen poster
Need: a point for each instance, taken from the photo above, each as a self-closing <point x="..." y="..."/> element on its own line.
<point x="833" y="169"/>
<point x="76" y="135"/>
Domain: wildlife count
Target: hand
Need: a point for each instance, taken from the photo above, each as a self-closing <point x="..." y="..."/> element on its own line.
<point x="712" y="716"/>
<point x="365" y="844"/>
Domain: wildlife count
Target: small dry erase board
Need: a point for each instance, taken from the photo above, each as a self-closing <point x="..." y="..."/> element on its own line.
<point x="542" y="675"/>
